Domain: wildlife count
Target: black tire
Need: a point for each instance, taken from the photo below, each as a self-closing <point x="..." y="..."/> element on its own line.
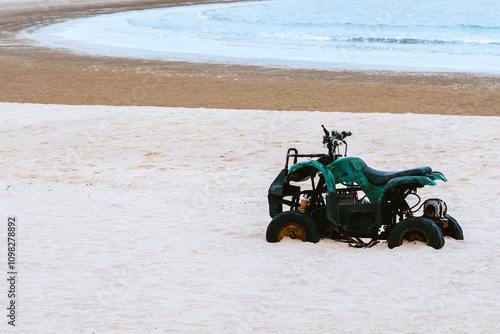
<point x="293" y="224"/>
<point x="453" y="230"/>
<point x="417" y="228"/>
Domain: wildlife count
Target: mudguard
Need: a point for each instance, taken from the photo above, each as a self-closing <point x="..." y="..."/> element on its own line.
<point x="419" y="181"/>
<point x="437" y="176"/>
<point x="302" y="171"/>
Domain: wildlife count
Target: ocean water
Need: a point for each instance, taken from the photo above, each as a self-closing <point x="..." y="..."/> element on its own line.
<point x="416" y="35"/>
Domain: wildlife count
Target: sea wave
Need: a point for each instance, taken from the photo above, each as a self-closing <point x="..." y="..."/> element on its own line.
<point x="367" y="39"/>
<point x="413" y="40"/>
<point x="323" y="22"/>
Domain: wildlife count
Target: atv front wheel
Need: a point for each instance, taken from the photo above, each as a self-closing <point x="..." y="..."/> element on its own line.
<point x="453" y="230"/>
<point x="293" y="224"/>
<point x="416" y="229"/>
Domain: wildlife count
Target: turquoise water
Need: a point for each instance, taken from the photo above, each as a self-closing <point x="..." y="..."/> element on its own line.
<point x="438" y="35"/>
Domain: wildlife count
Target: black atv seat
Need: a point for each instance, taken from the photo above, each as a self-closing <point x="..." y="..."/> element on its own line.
<point x="378" y="178"/>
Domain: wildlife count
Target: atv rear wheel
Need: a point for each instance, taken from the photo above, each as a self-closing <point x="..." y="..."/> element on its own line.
<point x="293" y="224"/>
<point x="416" y="229"/>
<point x="453" y="230"/>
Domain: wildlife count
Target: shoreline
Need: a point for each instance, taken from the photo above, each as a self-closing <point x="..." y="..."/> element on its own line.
<point x="32" y="74"/>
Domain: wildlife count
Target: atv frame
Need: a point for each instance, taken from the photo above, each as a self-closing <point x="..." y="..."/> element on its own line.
<point x="339" y="197"/>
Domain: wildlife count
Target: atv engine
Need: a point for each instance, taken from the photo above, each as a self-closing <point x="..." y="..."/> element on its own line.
<point x="435" y="209"/>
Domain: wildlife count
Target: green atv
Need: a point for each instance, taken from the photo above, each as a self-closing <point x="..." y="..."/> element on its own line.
<point x="339" y="197"/>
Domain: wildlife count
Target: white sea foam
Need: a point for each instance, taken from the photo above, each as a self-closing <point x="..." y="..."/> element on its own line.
<point x="419" y="35"/>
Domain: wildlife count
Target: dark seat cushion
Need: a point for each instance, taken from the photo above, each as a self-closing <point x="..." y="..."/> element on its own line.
<point x="378" y="178"/>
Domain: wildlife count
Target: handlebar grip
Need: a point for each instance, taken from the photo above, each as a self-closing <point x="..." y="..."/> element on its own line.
<point x="346" y="133"/>
<point x="325" y="130"/>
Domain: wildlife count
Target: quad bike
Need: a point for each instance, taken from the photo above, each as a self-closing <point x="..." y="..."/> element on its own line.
<point x="347" y="200"/>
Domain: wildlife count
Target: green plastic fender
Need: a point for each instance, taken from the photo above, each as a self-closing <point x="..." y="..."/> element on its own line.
<point x="350" y="169"/>
<point x="426" y="180"/>
<point x="437" y="176"/>
<point x="329" y="179"/>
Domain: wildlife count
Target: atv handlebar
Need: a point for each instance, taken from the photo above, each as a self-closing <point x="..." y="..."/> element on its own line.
<point x="335" y="136"/>
<point x="346" y="133"/>
<point x="337" y="142"/>
<point x="333" y="139"/>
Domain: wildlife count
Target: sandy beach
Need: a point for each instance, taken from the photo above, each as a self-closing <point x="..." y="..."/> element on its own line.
<point x="139" y="190"/>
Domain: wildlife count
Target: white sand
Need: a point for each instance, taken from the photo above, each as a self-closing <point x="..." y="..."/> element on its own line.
<point x="142" y="219"/>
